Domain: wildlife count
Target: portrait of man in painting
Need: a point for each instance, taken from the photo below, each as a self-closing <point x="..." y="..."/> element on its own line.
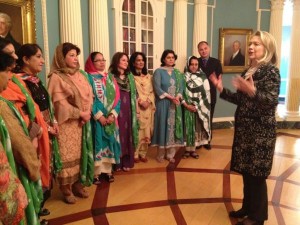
<point x="11" y="24"/>
<point x="17" y="23"/>
<point x="233" y="47"/>
<point x="235" y="50"/>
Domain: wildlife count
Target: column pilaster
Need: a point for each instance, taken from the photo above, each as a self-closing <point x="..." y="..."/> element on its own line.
<point x="293" y="95"/>
<point x="71" y="25"/>
<point x="276" y="23"/>
<point x="200" y="24"/>
<point x="99" y="33"/>
<point x="180" y="32"/>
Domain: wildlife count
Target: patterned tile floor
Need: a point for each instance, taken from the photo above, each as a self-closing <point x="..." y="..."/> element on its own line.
<point x="191" y="191"/>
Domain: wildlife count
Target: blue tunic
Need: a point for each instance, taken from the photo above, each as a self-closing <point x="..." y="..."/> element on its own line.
<point x="164" y="119"/>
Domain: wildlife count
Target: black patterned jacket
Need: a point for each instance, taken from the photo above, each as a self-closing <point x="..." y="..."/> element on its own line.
<point x="255" y="123"/>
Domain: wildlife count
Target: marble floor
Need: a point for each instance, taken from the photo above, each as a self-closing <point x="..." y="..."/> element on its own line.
<point x="191" y="191"/>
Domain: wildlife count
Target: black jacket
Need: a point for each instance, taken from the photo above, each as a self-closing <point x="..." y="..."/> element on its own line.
<point x="238" y="60"/>
<point x="16" y="44"/>
<point x="212" y="65"/>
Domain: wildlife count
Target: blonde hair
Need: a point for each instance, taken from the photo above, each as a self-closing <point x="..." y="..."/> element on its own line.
<point x="269" y="43"/>
<point x="7" y="20"/>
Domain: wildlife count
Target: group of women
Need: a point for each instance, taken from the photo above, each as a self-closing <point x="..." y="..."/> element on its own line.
<point x="89" y="123"/>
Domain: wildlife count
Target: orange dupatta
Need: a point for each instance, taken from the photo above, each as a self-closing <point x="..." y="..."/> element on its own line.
<point x="14" y="94"/>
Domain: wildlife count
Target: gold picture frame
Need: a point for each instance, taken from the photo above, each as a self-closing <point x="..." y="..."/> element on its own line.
<point x="22" y="15"/>
<point x="230" y="40"/>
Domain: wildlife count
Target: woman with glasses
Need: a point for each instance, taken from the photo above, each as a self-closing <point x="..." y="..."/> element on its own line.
<point x="105" y="110"/>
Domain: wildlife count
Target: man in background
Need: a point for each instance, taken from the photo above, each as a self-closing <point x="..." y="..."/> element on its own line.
<point x="237" y="59"/>
<point x="5" y="27"/>
<point x="209" y="65"/>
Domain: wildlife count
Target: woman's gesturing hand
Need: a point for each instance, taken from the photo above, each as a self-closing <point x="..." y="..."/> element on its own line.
<point x="217" y="81"/>
<point x="245" y="86"/>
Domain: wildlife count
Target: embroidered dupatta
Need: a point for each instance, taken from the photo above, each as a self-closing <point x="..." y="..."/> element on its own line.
<point x="112" y="98"/>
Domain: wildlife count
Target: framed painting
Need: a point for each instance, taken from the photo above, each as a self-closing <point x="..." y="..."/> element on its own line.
<point x="233" y="48"/>
<point x="17" y="22"/>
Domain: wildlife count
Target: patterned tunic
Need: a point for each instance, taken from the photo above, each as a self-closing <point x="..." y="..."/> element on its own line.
<point x="255" y="124"/>
<point x="164" y="119"/>
<point x="13" y="199"/>
<point x="144" y="88"/>
<point x="106" y="146"/>
<point x="70" y="95"/>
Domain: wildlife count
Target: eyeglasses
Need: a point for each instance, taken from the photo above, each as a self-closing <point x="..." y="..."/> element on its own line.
<point x="100" y="60"/>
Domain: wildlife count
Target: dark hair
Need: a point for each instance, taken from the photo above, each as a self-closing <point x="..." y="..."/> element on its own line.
<point x="132" y="60"/>
<point x="4" y="43"/>
<point x="113" y="68"/>
<point x="164" y="55"/>
<point x="67" y="46"/>
<point x="27" y="51"/>
<point x="6" y="61"/>
<point x="189" y="62"/>
<point x="93" y="55"/>
<point x="202" y="42"/>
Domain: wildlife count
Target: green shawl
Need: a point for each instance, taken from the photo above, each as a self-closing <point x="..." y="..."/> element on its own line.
<point x="110" y="96"/>
<point x="178" y="110"/>
<point x="190" y="122"/>
<point x="135" y="125"/>
<point x="87" y="156"/>
<point x="33" y="190"/>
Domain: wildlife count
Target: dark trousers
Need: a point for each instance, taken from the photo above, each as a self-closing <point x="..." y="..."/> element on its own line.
<point x="255" y="201"/>
<point x="212" y="110"/>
